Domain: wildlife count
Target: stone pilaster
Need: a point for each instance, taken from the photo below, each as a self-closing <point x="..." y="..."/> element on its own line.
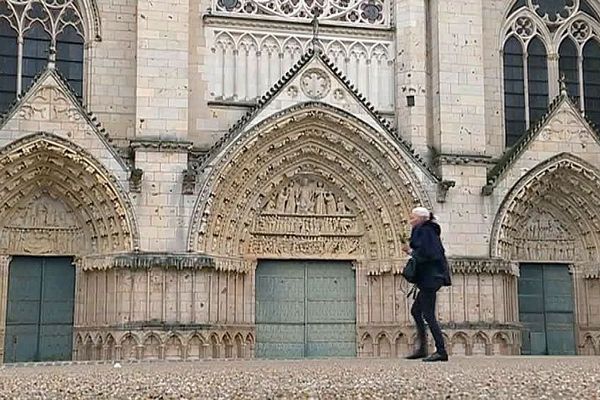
<point x="4" y="264"/>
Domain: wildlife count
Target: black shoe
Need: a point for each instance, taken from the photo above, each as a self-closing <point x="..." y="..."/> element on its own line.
<point x="435" y="357"/>
<point x="421" y="353"/>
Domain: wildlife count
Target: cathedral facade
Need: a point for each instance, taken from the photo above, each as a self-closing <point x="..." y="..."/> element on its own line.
<point x="190" y="179"/>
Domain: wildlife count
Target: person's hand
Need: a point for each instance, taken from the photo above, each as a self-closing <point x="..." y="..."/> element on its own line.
<point x="406" y="248"/>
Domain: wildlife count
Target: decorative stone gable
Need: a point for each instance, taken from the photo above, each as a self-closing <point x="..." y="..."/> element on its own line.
<point x="566" y="126"/>
<point x="50" y="106"/>
<point x="319" y="80"/>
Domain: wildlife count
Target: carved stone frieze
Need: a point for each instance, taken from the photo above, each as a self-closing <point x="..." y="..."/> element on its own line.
<point x="551" y="214"/>
<point x="57" y="199"/>
<point x="297" y="188"/>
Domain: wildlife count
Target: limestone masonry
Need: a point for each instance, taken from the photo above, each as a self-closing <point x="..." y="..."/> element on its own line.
<point x="196" y="157"/>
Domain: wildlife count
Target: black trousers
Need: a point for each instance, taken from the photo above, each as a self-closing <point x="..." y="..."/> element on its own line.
<point x="423" y="309"/>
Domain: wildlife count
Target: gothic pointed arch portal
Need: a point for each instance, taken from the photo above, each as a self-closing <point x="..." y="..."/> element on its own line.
<point x="55" y="199"/>
<point x="552" y="214"/>
<point x="311" y="182"/>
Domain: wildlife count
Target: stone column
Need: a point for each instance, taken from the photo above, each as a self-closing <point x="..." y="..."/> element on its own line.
<point x="4" y="264"/>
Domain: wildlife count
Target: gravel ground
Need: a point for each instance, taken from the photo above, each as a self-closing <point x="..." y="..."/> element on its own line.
<point x="461" y="378"/>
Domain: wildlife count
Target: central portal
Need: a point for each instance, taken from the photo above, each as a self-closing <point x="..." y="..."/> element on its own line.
<point x="305" y="309"/>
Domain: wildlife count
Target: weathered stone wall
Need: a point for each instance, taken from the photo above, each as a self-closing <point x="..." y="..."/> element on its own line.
<point x="164" y="313"/>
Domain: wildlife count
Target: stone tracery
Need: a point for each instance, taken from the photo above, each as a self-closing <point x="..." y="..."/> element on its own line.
<point x="318" y="157"/>
<point x="56" y="200"/>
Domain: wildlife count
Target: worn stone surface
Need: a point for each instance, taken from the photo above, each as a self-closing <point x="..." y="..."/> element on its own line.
<point x="498" y="378"/>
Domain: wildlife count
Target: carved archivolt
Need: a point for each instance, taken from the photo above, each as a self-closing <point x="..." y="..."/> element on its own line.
<point x="309" y="184"/>
<point x="55" y="199"/>
<point x="551" y="214"/>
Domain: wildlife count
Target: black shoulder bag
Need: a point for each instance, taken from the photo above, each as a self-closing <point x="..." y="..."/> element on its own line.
<point x="410" y="271"/>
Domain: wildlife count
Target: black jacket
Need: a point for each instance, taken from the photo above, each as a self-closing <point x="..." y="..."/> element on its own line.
<point x="430" y="256"/>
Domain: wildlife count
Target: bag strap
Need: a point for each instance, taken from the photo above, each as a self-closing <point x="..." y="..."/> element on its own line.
<point x="413" y="292"/>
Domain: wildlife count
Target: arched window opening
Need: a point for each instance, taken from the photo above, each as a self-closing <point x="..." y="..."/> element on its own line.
<point x="35" y="34"/>
<point x="8" y="64"/>
<point x="514" y="90"/>
<point x="537" y="80"/>
<point x="568" y="67"/>
<point x="69" y="58"/>
<point x="591" y="80"/>
<point x="36" y="48"/>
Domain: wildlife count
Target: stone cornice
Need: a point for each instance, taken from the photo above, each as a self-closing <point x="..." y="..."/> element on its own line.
<point x="372" y="33"/>
<point x="144" y="260"/>
<point x="169" y="145"/>
<point x="462" y="159"/>
<point x="244" y="105"/>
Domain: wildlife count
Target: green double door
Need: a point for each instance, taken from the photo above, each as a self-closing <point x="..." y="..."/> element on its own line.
<point x="305" y="309"/>
<point x="546" y="310"/>
<point x="39" y="317"/>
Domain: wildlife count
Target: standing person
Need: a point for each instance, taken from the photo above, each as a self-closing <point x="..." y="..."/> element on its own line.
<point x="432" y="273"/>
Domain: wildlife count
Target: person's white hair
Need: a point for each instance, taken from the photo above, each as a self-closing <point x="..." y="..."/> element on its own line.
<point x="421" y="212"/>
<point x="424" y="213"/>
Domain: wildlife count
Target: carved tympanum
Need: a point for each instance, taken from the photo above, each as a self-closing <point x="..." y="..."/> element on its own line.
<point x="44" y="225"/>
<point x="544" y="237"/>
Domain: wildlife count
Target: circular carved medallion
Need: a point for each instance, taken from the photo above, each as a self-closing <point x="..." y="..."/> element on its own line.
<point x="315" y="83"/>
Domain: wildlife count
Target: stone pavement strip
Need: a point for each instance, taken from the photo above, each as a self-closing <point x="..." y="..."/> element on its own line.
<point x="461" y="378"/>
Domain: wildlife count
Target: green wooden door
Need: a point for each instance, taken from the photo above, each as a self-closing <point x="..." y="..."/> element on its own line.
<point x="546" y="310"/>
<point x="305" y="309"/>
<point x="39" y="319"/>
